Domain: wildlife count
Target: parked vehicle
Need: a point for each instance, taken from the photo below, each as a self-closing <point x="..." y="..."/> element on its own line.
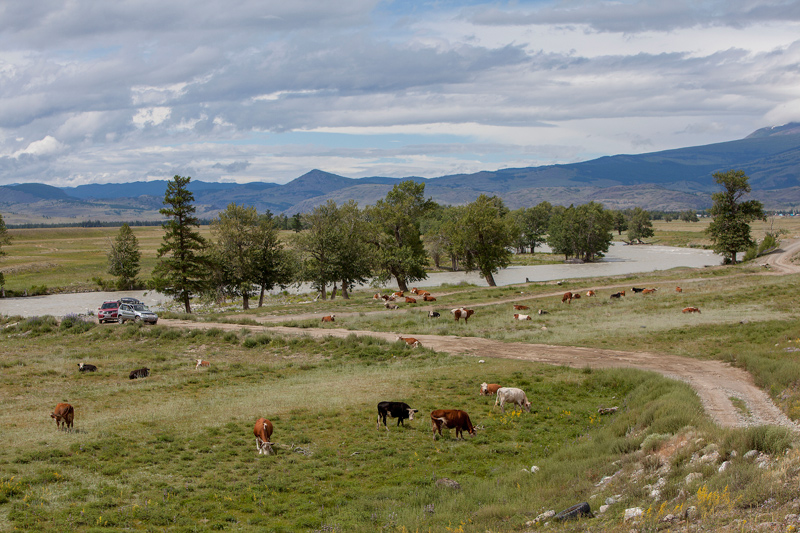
<point x="137" y="313"/>
<point x="129" y="300"/>
<point x="107" y="312"/>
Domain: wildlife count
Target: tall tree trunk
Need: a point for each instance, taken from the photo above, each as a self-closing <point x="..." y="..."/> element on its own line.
<point x="261" y="297"/>
<point x="345" y="294"/>
<point x="186" y="304"/>
<point x="333" y="292"/>
<point x="490" y="280"/>
<point x="246" y="300"/>
<point x="324" y="292"/>
<point x="401" y="283"/>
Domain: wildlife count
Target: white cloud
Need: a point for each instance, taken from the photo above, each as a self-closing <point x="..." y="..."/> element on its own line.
<point x="151" y="116"/>
<point x="44" y="147"/>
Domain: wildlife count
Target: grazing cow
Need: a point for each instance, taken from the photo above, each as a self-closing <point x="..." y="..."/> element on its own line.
<point x="433" y="314"/>
<point x="543" y="312"/>
<point x="522" y="317"/>
<point x="86" y="367"/>
<point x="329" y="318"/>
<point x="140" y="373"/>
<point x="410" y="300"/>
<point x="590" y="294"/>
<point x="389" y="305"/>
<point x="398" y="410"/>
<point x="411" y="341"/>
<point x="649" y="291"/>
<point x="488" y="389"/>
<point x="567" y="297"/>
<point x="637" y="290"/>
<point x="462" y="313"/>
<point x="520" y="307"/>
<point x="512" y="395"/>
<point x="428" y="298"/>
<point x="200" y="363"/>
<point x="617" y="294"/>
<point x="691" y="310"/>
<point x="451" y="418"/>
<point x="64" y="415"/>
<point x="263" y="432"/>
<point x="576" y="296"/>
<point x="678" y="289"/>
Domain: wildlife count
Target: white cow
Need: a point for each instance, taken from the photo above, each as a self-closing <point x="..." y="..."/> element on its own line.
<point x="522" y="317"/>
<point x="512" y="395"/>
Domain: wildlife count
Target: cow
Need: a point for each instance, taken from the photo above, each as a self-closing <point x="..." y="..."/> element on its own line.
<point x="140" y="373"/>
<point x="386" y="297"/>
<point x="433" y="314"/>
<point x="637" y="290"/>
<point x="329" y="318"/>
<point x="414" y="290"/>
<point x="428" y="298"/>
<point x="617" y="294"/>
<point x="691" y="310"/>
<point x="263" y="431"/>
<point x="86" y="367"/>
<point x="678" y="289"/>
<point x="589" y="294"/>
<point x="543" y="312"/>
<point x="520" y="307"/>
<point x="389" y="305"/>
<point x="522" y="317"/>
<point x="411" y="341"/>
<point x="397" y="294"/>
<point x="419" y="292"/>
<point x="376" y="296"/>
<point x="488" y="389"/>
<point x="451" y="418"/>
<point x="398" y="410"/>
<point x="200" y="363"/>
<point x="410" y="300"/>
<point x="649" y="291"/>
<point x="462" y="313"/>
<point x="64" y="415"/>
<point x="567" y="297"/>
<point x="512" y="395"/>
<point x="576" y="296"/>
<point x="423" y="293"/>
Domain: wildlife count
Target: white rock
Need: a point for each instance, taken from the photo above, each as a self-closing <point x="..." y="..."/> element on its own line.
<point x="481" y="361"/>
<point x="751" y="454"/>
<point x="603" y="509"/>
<point x="633" y="512"/>
<point x="724" y="466"/>
<point x="691" y="477"/>
<point x="534" y="469"/>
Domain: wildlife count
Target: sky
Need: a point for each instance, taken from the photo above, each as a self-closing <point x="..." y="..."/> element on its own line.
<point x="266" y="90"/>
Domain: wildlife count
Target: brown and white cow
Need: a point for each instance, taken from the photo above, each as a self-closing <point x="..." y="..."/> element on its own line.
<point x="428" y="298"/>
<point x="649" y="291"/>
<point x="451" y="418"/>
<point x="678" y="289"/>
<point x="488" y="389"/>
<point x="589" y="294"/>
<point x="576" y="296"/>
<point x="462" y="313"/>
<point x="691" y="310"/>
<point x="64" y="415"/>
<point x="329" y="318"/>
<point x="200" y="363"/>
<point x="410" y="300"/>
<point x="263" y="431"/>
<point x="411" y="341"/>
<point x="518" y="307"/>
<point x="567" y="297"/>
<point x="398" y="294"/>
<point x="512" y="395"/>
<point x="522" y="317"/>
<point x="419" y="292"/>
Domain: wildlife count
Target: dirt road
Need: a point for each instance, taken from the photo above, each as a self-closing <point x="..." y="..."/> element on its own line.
<point x="715" y="382"/>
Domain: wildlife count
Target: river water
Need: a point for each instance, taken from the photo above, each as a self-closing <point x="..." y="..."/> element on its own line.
<point x="620" y="259"/>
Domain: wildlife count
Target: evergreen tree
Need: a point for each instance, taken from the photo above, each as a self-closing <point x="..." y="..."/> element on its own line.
<point x="184" y="266"/>
<point x="273" y="265"/>
<point x="730" y="229"/>
<point x="235" y="231"/>
<point x="124" y="257"/>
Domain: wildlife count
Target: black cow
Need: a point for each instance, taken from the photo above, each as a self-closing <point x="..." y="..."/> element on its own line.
<point x="433" y="314"/>
<point x="616" y="295"/>
<point x="86" y="367"/>
<point x="140" y="373"/>
<point x="398" y="410"/>
<point x="637" y="289"/>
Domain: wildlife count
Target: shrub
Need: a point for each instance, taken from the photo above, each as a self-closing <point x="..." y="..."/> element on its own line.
<point x="75" y="324"/>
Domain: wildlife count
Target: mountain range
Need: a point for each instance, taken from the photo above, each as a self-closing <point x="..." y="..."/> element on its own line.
<point x="670" y="180"/>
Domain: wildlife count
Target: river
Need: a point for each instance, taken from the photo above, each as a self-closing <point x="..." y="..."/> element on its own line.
<point x="621" y="259"/>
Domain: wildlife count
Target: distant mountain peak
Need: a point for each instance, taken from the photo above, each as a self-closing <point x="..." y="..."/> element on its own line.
<point x="791" y="128"/>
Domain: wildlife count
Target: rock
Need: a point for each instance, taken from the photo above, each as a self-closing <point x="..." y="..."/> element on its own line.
<point x="576" y="511"/>
<point x="445" y="482"/>
<point x="543" y="516"/>
<point x="534" y="469"/>
<point x="712" y="457"/>
<point x="690" y="513"/>
<point x="791" y="518"/>
<point x="693" y="476"/>
<point x="669" y="518"/>
<point x="603" y="509"/>
<point x="633" y="513"/>
<point x="751" y="454"/>
<point x="724" y="466"/>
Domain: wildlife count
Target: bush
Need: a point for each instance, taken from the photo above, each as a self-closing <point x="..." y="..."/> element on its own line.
<point x="75" y="324"/>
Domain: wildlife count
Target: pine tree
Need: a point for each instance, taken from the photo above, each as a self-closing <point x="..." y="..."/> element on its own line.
<point x="124" y="257"/>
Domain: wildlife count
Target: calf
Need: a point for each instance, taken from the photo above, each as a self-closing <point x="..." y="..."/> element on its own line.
<point x="411" y="341"/>
<point x="64" y="415"/>
<point x="512" y="395"/>
<point x="488" y="389"/>
<point x="433" y="314"/>
<point x="398" y="410"/>
<point x="590" y="293"/>
<point x="410" y="300"/>
<point x="329" y="318"/>
<point x="462" y="313"/>
<point x="428" y="298"/>
<point x="522" y="317"/>
<point x="451" y="418"/>
<point x="200" y="363"/>
<point x="263" y="432"/>
<point x="691" y="310"/>
<point x="140" y="373"/>
<point x="567" y="297"/>
<point x="520" y="307"/>
<point x="86" y="367"/>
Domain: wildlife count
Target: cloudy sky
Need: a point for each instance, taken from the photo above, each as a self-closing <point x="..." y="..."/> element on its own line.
<point x="266" y="90"/>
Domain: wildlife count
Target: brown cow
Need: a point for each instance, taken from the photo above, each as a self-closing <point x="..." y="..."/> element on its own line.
<point x="397" y="294"/>
<point x="691" y="310"/>
<point x="590" y="293"/>
<point x="200" y="363"/>
<point x="520" y="307"/>
<point x="329" y="318"/>
<point x="410" y="300"/>
<point x="462" y="313"/>
<point x="576" y="296"/>
<point x="488" y="389"/>
<point x="649" y="291"/>
<point x="411" y="341"/>
<point x="522" y="317"/>
<point x="263" y="432"/>
<point x="451" y="418"/>
<point x="428" y="298"/>
<point x="678" y="289"/>
<point x="567" y="297"/>
<point x="64" y="415"/>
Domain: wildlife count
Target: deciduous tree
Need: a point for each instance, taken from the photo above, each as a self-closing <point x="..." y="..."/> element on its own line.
<point x="124" y="257"/>
<point x="235" y="231"/>
<point x="533" y="223"/>
<point x="730" y="228"/>
<point x="5" y="239"/>
<point x="582" y="232"/>
<point x="488" y="234"/>
<point x="640" y="227"/>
